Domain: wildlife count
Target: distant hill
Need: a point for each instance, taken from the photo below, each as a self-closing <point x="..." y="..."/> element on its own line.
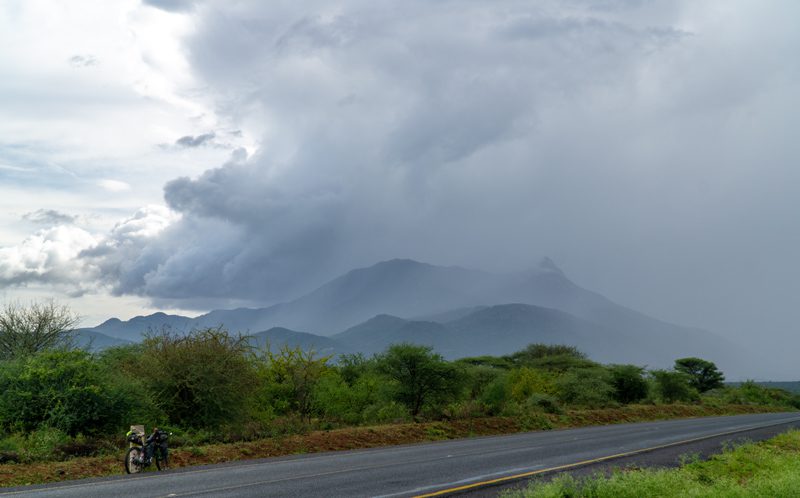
<point x="451" y="296"/>
<point x="493" y="330"/>
<point x="277" y="337"/>
<point x="135" y="328"/>
<point x="377" y="333"/>
<point x="96" y="341"/>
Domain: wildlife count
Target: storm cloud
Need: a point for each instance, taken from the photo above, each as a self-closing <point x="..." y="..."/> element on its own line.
<point x="198" y="141"/>
<point x="646" y="146"/>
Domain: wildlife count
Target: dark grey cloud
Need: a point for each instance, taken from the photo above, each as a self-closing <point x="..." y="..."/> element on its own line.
<point x="644" y="145"/>
<point x="195" y="141"/>
<point x="49" y="217"/>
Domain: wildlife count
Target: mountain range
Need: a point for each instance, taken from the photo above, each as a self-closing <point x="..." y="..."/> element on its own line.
<point x="458" y="311"/>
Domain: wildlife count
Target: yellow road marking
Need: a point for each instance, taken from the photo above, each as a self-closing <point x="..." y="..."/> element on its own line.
<point x="587" y="462"/>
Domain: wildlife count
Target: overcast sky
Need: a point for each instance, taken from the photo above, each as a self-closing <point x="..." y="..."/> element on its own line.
<point x="190" y="155"/>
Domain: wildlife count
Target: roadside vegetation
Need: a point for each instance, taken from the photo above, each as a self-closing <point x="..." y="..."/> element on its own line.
<point x="769" y="468"/>
<point x="209" y="387"/>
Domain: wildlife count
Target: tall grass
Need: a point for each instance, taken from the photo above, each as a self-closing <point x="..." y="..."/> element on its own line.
<point x="769" y="469"/>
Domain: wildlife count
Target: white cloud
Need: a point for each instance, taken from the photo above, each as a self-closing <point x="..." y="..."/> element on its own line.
<point x="50" y="255"/>
<point x="113" y="185"/>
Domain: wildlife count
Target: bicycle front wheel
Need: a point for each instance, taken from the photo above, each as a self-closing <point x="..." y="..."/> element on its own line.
<point x="133" y="460"/>
<point x="162" y="461"/>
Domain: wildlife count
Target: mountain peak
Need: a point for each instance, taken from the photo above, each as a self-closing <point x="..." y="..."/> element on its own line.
<point x="400" y="263"/>
<point x="548" y="265"/>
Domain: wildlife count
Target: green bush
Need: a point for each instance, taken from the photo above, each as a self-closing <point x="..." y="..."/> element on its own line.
<point x="543" y="402"/>
<point x="525" y="382"/>
<point x="384" y="412"/>
<point x="750" y="393"/>
<point x="290" y="378"/>
<point x="585" y="387"/>
<point x="629" y="383"/>
<point x="66" y="390"/>
<point x="496" y="394"/>
<point x="202" y="379"/>
<point x="554" y="358"/>
<point x="335" y="400"/>
<point x="671" y="386"/>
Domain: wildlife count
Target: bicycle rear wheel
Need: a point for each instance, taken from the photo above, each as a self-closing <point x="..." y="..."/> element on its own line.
<point x="133" y="460"/>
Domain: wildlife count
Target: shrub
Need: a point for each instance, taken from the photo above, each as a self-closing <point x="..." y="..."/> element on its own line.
<point x="629" y="383"/>
<point x="671" y="386"/>
<point x="67" y="390"/>
<point x="543" y="402"/>
<point x="202" y="379"/>
<point x="386" y="411"/>
<point x="291" y="376"/>
<point x="750" y="393"/>
<point x="475" y="378"/>
<point x="496" y="394"/>
<point x="555" y="358"/>
<point x="525" y="382"/>
<point x="587" y="387"/>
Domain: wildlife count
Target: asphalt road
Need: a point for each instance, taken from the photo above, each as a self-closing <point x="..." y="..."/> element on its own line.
<point x="414" y="470"/>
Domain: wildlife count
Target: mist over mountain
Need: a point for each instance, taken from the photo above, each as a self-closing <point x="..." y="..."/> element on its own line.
<point x="458" y="311"/>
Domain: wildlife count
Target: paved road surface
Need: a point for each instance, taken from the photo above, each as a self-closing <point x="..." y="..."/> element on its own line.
<point x="410" y="470"/>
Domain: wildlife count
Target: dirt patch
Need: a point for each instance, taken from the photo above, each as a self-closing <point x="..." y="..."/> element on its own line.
<point x="14" y="474"/>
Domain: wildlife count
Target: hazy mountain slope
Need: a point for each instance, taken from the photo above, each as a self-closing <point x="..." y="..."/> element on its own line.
<point x="494" y="330"/>
<point x="96" y="341"/>
<point x="397" y="287"/>
<point x="511" y="327"/>
<point x="278" y="337"/>
<point x="377" y="333"/>
<point x="448" y="316"/>
<point x="405" y="288"/>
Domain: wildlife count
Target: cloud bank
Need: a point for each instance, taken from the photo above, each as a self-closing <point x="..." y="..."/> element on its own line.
<point x="646" y="146"/>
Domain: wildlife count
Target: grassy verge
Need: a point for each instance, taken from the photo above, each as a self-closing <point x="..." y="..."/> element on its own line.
<point x="16" y="474"/>
<point x="770" y="468"/>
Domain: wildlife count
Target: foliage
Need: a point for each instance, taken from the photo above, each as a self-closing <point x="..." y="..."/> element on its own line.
<point x="209" y="386"/>
<point x="703" y="374"/>
<point x="556" y="358"/>
<point x="64" y="390"/>
<point x="202" y="379"/>
<point x="291" y="375"/>
<point x="525" y="382"/>
<point x="586" y="387"/>
<point x="421" y="376"/>
<point x="629" y="383"/>
<point x="37" y="327"/>
<point x="769" y="468"/>
<point x="496" y="394"/>
<point x="671" y="386"/>
<point x="353" y="366"/>
<point x="496" y="362"/>
<point x="751" y="393"/>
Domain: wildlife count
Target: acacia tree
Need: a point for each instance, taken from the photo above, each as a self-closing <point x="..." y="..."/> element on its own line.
<point x="422" y="376"/>
<point x="703" y="374"/>
<point x="36" y="327"/>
